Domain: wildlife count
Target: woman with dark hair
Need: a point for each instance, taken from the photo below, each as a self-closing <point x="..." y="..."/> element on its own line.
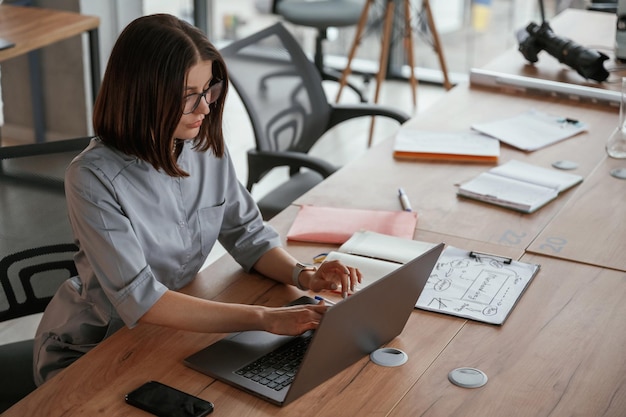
<point x="150" y="196"/>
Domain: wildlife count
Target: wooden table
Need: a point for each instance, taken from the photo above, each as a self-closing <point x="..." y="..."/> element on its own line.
<point x="560" y="353"/>
<point x="373" y="180"/>
<point x="590" y="227"/>
<point x="32" y="28"/>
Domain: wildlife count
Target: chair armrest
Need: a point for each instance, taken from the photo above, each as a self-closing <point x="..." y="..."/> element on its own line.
<point x="38" y="149"/>
<point x="262" y="162"/>
<point x="342" y="112"/>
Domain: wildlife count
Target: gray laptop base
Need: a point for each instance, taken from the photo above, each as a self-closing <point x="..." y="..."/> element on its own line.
<point x="349" y="331"/>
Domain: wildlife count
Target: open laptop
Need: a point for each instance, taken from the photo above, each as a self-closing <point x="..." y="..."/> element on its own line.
<point x="349" y="330"/>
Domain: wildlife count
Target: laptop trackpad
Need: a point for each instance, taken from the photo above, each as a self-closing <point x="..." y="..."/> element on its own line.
<point x="257" y="338"/>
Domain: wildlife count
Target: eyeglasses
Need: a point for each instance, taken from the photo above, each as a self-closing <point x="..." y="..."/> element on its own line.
<point x="211" y="94"/>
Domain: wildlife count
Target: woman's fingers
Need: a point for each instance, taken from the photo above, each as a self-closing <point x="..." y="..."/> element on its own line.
<point x="333" y="274"/>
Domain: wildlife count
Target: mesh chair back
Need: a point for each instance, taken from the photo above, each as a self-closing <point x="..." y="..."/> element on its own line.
<point x="36" y="249"/>
<point x="30" y="278"/>
<point x="280" y="88"/>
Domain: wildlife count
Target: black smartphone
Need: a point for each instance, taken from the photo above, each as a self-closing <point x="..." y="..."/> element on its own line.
<point x="165" y="401"/>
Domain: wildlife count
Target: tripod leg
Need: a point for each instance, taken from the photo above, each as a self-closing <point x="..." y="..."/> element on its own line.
<point x="355" y="44"/>
<point x="384" y="59"/>
<point x="437" y="42"/>
<point x="408" y="45"/>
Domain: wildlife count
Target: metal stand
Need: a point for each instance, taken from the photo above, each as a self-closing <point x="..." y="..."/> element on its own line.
<point x="385" y="47"/>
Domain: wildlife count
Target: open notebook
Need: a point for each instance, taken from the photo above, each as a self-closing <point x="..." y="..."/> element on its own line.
<point x="518" y="186"/>
<point x="376" y="254"/>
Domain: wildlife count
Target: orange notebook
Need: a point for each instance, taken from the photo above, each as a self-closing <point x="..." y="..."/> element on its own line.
<point x="336" y="225"/>
<point x="460" y="146"/>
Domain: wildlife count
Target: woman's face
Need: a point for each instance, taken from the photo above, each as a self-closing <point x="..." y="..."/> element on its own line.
<point x="199" y="78"/>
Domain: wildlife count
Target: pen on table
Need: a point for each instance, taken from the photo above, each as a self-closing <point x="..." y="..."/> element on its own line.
<point x="404" y="200"/>
<point x="320" y="298"/>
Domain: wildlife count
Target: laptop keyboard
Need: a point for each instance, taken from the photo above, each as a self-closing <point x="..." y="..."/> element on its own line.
<point x="277" y="369"/>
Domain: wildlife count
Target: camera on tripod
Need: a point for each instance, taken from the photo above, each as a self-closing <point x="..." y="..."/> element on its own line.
<point x="587" y="62"/>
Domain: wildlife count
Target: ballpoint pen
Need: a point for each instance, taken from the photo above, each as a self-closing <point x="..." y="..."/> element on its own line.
<point x="404" y="200"/>
<point x="320" y="298"/>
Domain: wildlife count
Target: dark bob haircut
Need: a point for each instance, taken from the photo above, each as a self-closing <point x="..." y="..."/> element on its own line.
<point x="141" y="98"/>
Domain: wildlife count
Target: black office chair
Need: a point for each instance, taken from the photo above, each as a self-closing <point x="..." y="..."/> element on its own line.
<point x="29" y="279"/>
<point x="322" y="15"/>
<point x="41" y="164"/>
<point x="608" y="6"/>
<point x="283" y="94"/>
<point x="36" y="253"/>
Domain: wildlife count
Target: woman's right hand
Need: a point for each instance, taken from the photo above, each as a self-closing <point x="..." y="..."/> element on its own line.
<point x="293" y="320"/>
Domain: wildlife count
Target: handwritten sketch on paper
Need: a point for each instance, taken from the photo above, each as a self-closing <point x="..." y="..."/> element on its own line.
<point x="481" y="287"/>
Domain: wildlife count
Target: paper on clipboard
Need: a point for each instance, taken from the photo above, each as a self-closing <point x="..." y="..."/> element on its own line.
<point x="481" y="287"/>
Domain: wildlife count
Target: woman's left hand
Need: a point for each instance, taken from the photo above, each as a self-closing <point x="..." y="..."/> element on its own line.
<point x="333" y="275"/>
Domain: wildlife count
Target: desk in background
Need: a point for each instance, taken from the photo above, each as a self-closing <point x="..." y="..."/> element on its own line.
<point x="32" y="28"/>
<point x="373" y="180"/>
<point x="590" y="228"/>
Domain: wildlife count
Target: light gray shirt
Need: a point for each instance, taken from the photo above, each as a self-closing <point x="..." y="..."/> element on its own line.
<point x="140" y="233"/>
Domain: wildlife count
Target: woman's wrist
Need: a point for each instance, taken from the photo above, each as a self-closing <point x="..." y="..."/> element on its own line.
<point x="301" y="275"/>
<point x="305" y="278"/>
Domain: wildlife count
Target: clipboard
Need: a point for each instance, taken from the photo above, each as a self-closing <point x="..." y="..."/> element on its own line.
<point x="477" y="286"/>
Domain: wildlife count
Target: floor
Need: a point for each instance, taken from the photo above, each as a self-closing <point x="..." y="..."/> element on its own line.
<point x="333" y="147"/>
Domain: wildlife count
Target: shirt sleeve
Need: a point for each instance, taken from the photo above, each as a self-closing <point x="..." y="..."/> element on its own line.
<point x="106" y="238"/>
<point x="243" y="233"/>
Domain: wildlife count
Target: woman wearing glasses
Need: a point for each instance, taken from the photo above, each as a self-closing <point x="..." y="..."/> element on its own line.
<point x="151" y="195"/>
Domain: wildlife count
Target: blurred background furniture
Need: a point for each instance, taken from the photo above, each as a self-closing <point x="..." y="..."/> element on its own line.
<point x="17" y="25"/>
<point x="609" y="6"/>
<point x="322" y="15"/>
<point x="407" y="29"/>
<point x="282" y="92"/>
